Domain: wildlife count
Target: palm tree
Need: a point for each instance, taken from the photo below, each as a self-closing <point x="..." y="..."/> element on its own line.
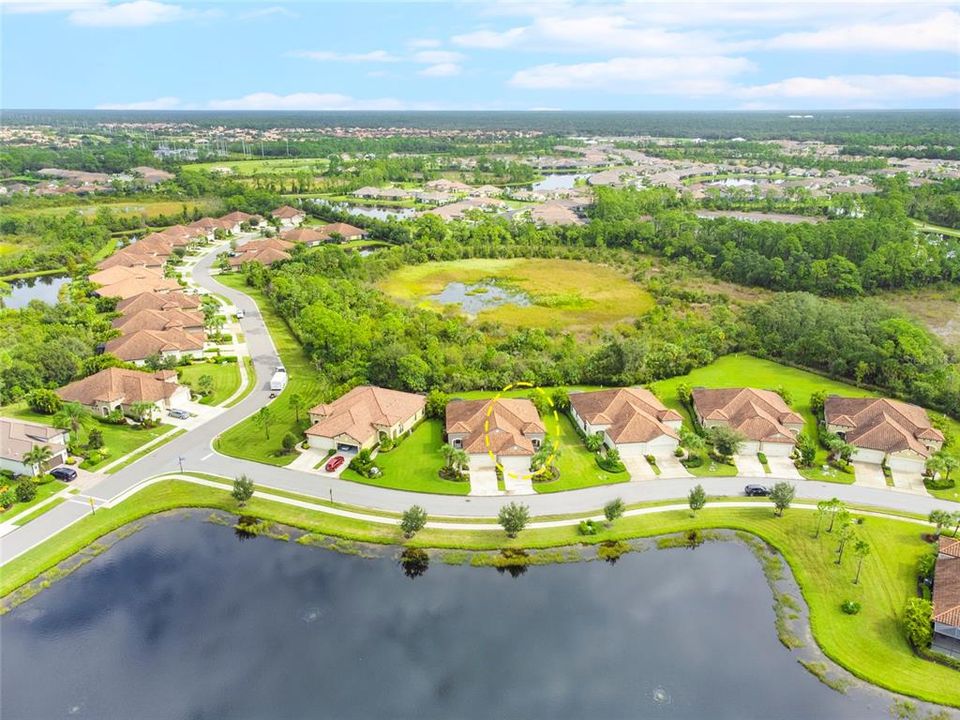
<point x="142" y="410"/>
<point x="296" y="404"/>
<point x="861" y="548"/>
<point x="448" y="450"/>
<point x="73" y="416"/>
<point x="594" y="442"/>
<point x="460" y="460"/>
<point x="262" y="419"/>
<point x="936" y="465"/>
<point x="36" y="456"/>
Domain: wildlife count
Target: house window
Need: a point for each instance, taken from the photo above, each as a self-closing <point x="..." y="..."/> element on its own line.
<point x="536" y="443"/>
<point x="458" y="444"/>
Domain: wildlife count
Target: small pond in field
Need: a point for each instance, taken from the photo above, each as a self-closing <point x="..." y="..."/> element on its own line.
<point x="475" y="297"/>
<point x="559" y="181"/>
<point x="45" y="288"/>
<point x="180" y="620"/>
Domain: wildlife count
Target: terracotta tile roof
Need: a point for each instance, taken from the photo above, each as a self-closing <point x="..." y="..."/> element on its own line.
<point x="949" y="546"/>
<point x="140" y="344"/>
<point x="158" y="301"/>
<point x="170" y="319"/>
<point x="631" y="415"/>
<point x="205" y="224"/>
<point x="264" y="256"/>
<point x="339" y="228"/>
<point x="236" y="217"/>
<point x="509" y="424"/>
<point x="304" y="235"/>
<point x="285" y="212"/>
<point x="118" y="273"/>
<point x="155" y="244"/>
<point x="363" y="411"/>
<point x="18" y="437"/>
<point x="882" y="424"/>
<point x="114" y="385"/>
<point x="134" y="286"/>
<point x="274" y="243"/>
<point x="759" y="415"/>
<point x="131" y="258"/>
<point x="946" y="591"/>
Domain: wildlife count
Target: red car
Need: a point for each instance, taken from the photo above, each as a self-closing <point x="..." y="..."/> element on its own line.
<point x="334" y="462"/>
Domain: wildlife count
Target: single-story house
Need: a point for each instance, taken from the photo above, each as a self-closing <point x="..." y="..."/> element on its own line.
<point x="289" y="216"/>
<point x="884" y="429"/>
<point x="119" y="273"/>
<point x="444" y="185"/>
<point x="630" y="419"/>
<point x="134" y="286"/>
<point x="129" y="257"/>
<point x="761" y="416"/>
<point x="158" y="301"/>
<point x="554" y="213"/>
<point x="171" y="319"/>
<point x="205" y="227"/>
<point x="344" y="230"/>
<point x="946" y="597"/>
<point x="19" y="437"/>
<point x="509" y="428"/>
<point x="231" y="221"/>
<point x="265" y="255"/>
<point x="306" y="236"/>
<point x="171" y="240"/>
<point x="153" y="244"/>
<point x="359" y="419"/>
<point x="138" y="346"/>
<point x="114" y="388"/>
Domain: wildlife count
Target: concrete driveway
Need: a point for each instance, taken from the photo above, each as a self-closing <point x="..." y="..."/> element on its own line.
<point x="671" y="467"/>
<point x="748" y="465"/>
<point x="868" y="475"/>
<point x="909" y="481"/>
<point x="517" y="485"/>
<point x="783" y="467"/>
<point x="639" y="468"/>
<point x="483" y="482"/>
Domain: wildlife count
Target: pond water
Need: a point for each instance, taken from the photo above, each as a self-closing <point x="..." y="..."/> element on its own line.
<point x="559" y="181"/>
<point x="181" y="620"/>
<point x="380" y="213"/>
<point x="43" y="288"/>
<point x="734" y="182"/>
<point x="474" y="297"/>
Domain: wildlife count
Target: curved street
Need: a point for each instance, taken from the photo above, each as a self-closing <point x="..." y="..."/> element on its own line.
<point x="194" y="450"/>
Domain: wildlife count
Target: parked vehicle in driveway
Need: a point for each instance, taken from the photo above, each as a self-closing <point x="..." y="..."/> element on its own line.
<point x="178" y="414"/>
<point x="239" y="314"/>
<point x="279" y="380"/>
<point x="334" y="462"/>
<point x="756" y="491"/>
<point x="65" y="474"/>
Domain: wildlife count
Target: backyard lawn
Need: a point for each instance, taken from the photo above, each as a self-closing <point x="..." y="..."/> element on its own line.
<point x="117" y="439"/>
<point x="226" y="379"/>
<point x="246" y="439"/>
<point x="413" y="464"/>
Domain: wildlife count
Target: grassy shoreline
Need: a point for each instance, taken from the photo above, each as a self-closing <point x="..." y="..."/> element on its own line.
<point x="870" y="645"/>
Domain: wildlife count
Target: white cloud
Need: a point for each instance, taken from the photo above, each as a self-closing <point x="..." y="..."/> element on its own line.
<point x="331" y="56"/>
<point x="307" y="101"/>
<point x="441" y="70"/>
<point x="139" y="13"/>
<point x="162" y="103"/>
<point x="662" y="75"/>
<point x="940" y="32"/>
<point x="431" y="57"/>
<point x="275" y="10"/>
<point x="490" y="39"/>
<point x="856" y="88"/>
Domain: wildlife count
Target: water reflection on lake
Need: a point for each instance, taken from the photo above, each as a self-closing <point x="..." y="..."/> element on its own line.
<point x="183" y="621"/>
<point x="373" y="211"/>
<point x="559" y="181"/>
<point x="475" y="297"/>
<point x="45" y="288"/>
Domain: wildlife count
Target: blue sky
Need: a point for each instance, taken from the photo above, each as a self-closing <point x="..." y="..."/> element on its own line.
<point x="160" y="54"/>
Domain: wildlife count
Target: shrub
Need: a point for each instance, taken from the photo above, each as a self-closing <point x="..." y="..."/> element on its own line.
<point x="650" y="459"/>
<point x="850" y="607"/>
<point x="762" y="457"/>
<point x="26" y="491"/>
<point x="7" y="498"/>
<point x="513" y="518"/>
<point x="95" y="439"/>
<point x="693" y="461"/>
<point x="678" y="452"/>
<point x="44" y="401"/>
<point x="362" y="463"/>
<point x="289" y="443"/>
<point x="588" y="527"/>
<point x="387" y="444"/>
<point x="917" y="620"/>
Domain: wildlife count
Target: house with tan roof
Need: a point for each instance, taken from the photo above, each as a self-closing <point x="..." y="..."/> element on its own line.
<point x="118" y="273"/>
<point x="231" y="221"/>
<point x="264" y="255"/>
<point x="882" y="429"/>
<point x="508" y="428"/>
<point x="119" y="389"/>
<point x="134" y="286"/>
<point x="946" y="598"/>
<point x="138" y="346"/>
<point x="19" y="437"/>
<point x="204" y="227"/>
<point x="288" y="216"/>
<point x="362" y="417"/>
<point x="305" y="236"/>
<point x="761" y="416"/>
<point x="631" y="419"/>
<point x="154" y="244"/>
<point x="128" y="257"/>
<point x="171" y="319"/>
<point x="345" y="231"/>
<point x="158" y="301"/>
<point x="554" y="213"/>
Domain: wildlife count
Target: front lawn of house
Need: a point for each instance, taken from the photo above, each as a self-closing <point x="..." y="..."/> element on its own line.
<point x="577" y="465"/>
<point x="226" y="379"/>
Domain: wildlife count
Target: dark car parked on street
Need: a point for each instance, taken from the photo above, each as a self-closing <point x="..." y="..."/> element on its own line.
<point x="64" y="473"/>
<point x="756" y="491"/>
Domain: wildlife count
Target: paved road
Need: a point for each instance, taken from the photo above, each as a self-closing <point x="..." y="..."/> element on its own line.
<point x="194" y="449"/>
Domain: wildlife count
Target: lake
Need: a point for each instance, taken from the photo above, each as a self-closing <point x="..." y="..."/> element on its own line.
<point x="474" y="297"/>
<point x="180" y="620"/>
<point x="373" y="211"/>
<point x="44" y="288"/>
<point x="559" y="181"/>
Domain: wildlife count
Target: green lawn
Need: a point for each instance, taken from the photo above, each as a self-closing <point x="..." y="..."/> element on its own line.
<point x="44" y="490"/>
<point x="117" y="439"/>
<point x="869" y="644"/>
<point x="413" y="464"/>
<point x="245" y="439"/>
<point x="577" y="465"/>
<point x="226" y="379"/>
<point x="712" y="468"/>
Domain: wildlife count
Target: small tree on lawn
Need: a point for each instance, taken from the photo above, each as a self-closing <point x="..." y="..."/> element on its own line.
<point x="513" y="518"/>
<point x="413" y="521"/>
<point x="725" y="440"/>
<point x="807" y="449"/>
<point x="939" y="518"/>
<point x="26" y="490"/>
<point x="846" y="535"/>
<point x="262" y="419"/>
<point x="36" y="457"/>
<point x="242" y="490"/>
<point x="95" y="439"/>
<point x="861" y="548"/>
<point x="697" y="498"/>
<point x="297" y="404"/>
<point x="836" y="509"/>
<point x="205" y="384"/>
<point x="614" y="509"/>
<point x="917" y="621"/>
<point x="594" y="442"/>
<point x="823" y="509"/>
<point x="289" y="442"/>
<point x="781" y="495"/>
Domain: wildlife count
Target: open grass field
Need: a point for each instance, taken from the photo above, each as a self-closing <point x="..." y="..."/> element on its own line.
<point x="117" y="439"/>
<point x="869" y="644"/>
<point x="149" y="209"/>
<point x="413" y="464"/>
<point x="249" y="168"/>
<point x="566" y="294"/>
<point x="226" y="379"/>
<point x="938" y="309"/>
<point x="245" y="439"/>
